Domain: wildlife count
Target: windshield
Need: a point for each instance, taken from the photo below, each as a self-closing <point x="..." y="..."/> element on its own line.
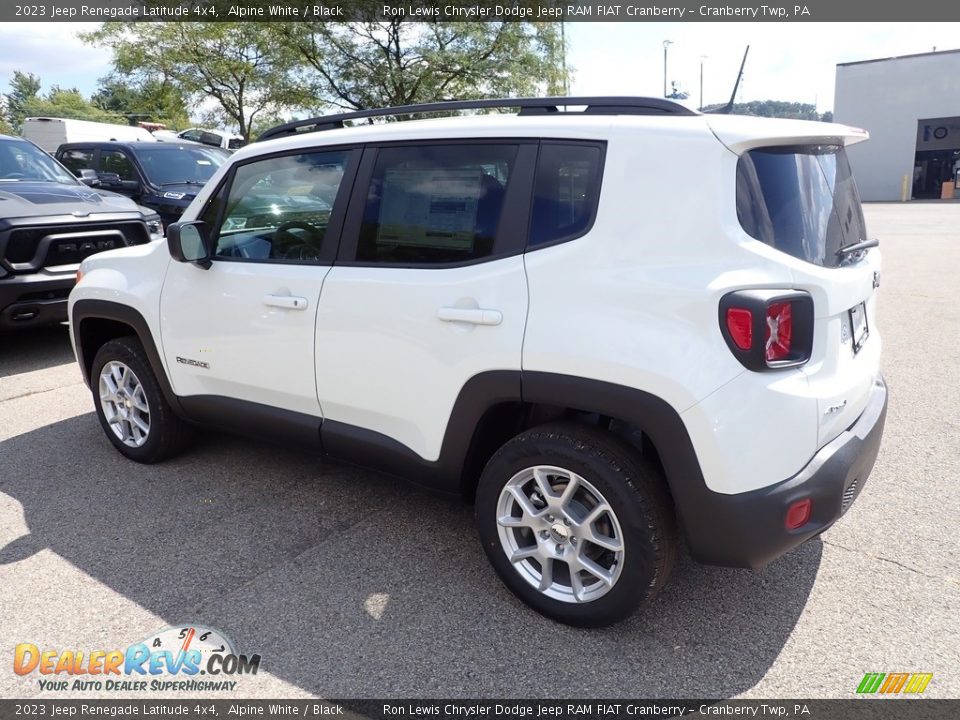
<point x="21" y="161"/>
<point x="181" y="165"/>
<point x="801" y="200"/>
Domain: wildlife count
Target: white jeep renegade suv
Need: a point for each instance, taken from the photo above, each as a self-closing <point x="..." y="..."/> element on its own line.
<point x="605" y="321"/>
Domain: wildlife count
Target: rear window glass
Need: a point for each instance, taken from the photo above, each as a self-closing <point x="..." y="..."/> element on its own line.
<point x="566" y="191"/>
<point x="801" y="200"/>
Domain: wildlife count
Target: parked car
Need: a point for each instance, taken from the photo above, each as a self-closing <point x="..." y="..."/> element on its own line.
<point x="606" y="327"/>
<point x="49" y="222"/>
<point x="216" y="138"/>
<point x="51" y="133"/>
<point x="162" y="176"/>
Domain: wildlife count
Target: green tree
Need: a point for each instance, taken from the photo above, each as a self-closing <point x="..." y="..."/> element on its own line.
<point x="235" y="64"/>
<point x="374" y="64"/>
<point x="777" y="109"/>
<point x="68" y="103"/>
<point x="153" y="100"/>
<point x="24" y="87"/>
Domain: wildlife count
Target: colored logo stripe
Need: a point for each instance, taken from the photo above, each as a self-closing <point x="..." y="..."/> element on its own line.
<point x="870" y="683"/>
<point x="918" y="682"/>
<point x="893" y="683"/>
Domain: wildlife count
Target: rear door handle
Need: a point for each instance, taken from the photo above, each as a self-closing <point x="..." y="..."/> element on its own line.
<point x="477" y="316"/>
<point x="288" y="302"/>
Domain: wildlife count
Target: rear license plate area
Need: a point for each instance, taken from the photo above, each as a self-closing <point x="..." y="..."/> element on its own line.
<point x="859" y="330"/>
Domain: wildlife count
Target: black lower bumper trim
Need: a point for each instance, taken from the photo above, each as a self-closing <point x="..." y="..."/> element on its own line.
<point x="748" y="529"/>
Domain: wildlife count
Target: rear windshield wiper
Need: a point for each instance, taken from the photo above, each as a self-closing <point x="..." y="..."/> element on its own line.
<point x="182" y="182"/>
<point x="858" y="247"/>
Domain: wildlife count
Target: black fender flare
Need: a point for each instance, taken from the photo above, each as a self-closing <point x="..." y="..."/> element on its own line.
<point x="124" y="314"/>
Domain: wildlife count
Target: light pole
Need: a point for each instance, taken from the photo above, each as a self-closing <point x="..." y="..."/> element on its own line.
<point x="666" y="44"/>
<point x="702" y="58"/>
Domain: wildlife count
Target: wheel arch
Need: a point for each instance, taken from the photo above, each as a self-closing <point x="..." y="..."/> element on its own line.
<point x="95" y="322"/>
<point x="549" y="396"/>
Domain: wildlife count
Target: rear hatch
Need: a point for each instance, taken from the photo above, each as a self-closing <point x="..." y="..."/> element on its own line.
<point x="795" y="192"/>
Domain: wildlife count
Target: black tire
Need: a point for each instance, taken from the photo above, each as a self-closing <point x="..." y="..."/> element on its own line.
<point x="168" y="435"/>
<point x="633" y="488"/>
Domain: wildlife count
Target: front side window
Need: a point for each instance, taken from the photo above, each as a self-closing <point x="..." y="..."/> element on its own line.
<point x="566" y="191"/>
<point x="435" y="204"/>
<point x="114" y="161"/>
<point x="278" y="209"/>
<point x="801" y="200"/>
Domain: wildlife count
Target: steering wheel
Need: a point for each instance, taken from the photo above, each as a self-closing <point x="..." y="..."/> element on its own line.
<point x="288" y="246"/>
<point x="13" y="176"/>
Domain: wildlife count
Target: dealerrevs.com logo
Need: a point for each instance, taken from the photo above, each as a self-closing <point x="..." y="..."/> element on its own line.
<point x="187" y="658"/>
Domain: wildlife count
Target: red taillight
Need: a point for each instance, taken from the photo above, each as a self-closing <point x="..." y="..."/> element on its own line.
<point x="798" y="514"/>
<point x="779" y="331"/>
<point x="768" y="329"/>
<point x="740" y="325"/>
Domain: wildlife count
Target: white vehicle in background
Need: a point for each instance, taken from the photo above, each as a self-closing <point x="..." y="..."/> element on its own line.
<point x="51" y="133"/>
<point x="216" y="138"/>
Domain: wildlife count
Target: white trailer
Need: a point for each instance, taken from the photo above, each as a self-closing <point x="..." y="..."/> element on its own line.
<point x="51" y="133"/>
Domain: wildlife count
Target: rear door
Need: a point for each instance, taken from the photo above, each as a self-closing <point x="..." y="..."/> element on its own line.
<point x="428" y="291"/>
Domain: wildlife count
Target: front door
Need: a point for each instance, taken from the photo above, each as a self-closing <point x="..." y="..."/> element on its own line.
<point x="244" y="328"/>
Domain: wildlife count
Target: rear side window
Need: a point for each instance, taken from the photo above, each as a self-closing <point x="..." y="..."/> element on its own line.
<point x="801" y="200"/>
<point x="566" y="191"/>
<point x="435" y="204"/>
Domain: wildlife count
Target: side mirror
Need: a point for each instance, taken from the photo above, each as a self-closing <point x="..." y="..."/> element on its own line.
<point x="88" y="177"/>
<point x="109" y="179"/>
<point x="188" y="242"/>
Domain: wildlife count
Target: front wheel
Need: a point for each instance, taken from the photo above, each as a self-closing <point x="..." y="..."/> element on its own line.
<point x="132" y="410"/>
<point x="576" y="523"/>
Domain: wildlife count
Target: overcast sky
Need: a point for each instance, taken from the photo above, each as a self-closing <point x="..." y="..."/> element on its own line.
<point x="788" y="61"/>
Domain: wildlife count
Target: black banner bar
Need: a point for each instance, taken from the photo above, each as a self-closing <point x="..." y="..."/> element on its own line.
<point x="853" y="709"/>
<point x="477" y="10"/>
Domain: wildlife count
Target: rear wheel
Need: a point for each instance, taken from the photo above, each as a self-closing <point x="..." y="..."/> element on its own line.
<point x="576" y="523"/>
<point x="132" y="410"/>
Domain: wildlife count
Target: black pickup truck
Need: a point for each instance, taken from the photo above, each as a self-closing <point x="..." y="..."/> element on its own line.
<point x="49" y="222"/>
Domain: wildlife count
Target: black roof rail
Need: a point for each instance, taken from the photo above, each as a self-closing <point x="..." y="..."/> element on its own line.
<point x="625" y="105"/>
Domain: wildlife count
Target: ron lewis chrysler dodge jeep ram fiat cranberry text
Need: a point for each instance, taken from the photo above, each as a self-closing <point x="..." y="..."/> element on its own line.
<point x="605" y="326"/>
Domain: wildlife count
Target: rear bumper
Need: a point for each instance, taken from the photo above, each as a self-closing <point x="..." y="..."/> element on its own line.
<point x="34" y="300"/>
<point x="748" y="530"/>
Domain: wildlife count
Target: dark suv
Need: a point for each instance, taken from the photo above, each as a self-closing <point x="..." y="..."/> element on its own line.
<point x="49" y="222"/>
<point x="162" y="176"/>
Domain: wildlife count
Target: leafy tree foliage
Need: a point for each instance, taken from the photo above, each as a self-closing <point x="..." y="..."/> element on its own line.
<point x="249" y="75"/>
<point x="236" y="65"/>
<point x="24" y="87"/>
<point x="155" y="100"/>
<point x="376" y="64"/>
<point x="777" y="109"/>
<point x="69" y="103"/>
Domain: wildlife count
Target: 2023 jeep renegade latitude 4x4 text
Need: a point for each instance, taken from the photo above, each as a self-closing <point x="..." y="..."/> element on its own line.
<point x="605" y="326"/>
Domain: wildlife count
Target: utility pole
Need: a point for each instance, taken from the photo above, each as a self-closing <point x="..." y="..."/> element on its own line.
<point x="666" y="44"/>
<point x="702" y="58"/>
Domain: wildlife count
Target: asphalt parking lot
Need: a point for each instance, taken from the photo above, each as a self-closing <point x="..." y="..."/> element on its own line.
<point x="350" y="584"/>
